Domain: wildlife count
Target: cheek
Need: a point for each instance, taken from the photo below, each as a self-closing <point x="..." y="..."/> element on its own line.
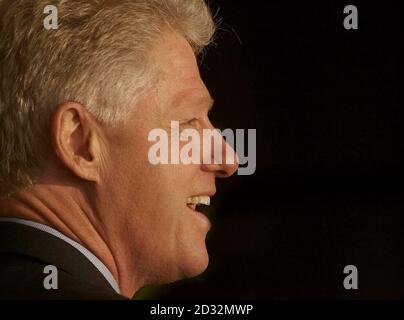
<point x="178" y="230"/>
<point x="153" y="199"/>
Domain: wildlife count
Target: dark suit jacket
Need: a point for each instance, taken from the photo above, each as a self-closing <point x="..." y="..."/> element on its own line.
<point x="24" y="253"/>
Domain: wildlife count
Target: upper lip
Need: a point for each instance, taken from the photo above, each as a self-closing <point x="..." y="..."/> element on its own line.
<point x="204" y="194"/>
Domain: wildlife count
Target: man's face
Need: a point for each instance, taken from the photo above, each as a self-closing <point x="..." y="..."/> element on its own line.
<point x="146" y="205"/>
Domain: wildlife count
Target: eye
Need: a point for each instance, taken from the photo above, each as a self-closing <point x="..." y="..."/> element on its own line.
<point x="192" y="123"/>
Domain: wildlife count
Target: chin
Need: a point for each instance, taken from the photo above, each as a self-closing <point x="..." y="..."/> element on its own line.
<point x="196" y="264"/>
<point x="192" y="264"/>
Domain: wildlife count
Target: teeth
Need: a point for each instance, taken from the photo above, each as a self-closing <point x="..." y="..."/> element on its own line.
<point x="205" y="200"/>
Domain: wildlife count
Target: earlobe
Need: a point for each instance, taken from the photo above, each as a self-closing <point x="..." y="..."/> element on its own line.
<point x="74" y="140"/>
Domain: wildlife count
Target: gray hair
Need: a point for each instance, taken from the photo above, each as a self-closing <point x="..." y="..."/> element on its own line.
<point x="99" y="56"/>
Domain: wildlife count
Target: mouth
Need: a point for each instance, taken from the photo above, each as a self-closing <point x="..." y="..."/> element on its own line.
<point x="196" y="202"/>
<point x="198" y="205"/>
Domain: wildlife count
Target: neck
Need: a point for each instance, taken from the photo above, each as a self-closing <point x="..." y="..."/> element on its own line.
<point x="66" y="210"/>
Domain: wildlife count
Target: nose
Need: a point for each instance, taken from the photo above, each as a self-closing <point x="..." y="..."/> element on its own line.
<point x="228" y="162"/>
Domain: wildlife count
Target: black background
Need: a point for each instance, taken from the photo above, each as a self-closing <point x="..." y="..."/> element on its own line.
<point x="328" y="187"/>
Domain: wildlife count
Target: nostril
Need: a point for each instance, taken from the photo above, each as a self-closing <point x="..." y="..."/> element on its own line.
<point x="222" y="174"/>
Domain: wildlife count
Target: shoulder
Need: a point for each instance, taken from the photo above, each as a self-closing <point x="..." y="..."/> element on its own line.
<point x="22" y="277"/>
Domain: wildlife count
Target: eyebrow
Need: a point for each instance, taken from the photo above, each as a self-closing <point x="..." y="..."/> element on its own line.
<point x="186" y="100"/>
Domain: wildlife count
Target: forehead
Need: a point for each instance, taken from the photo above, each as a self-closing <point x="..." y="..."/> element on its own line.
<point x="180" y="79"/>
<point x="174" y="55"/>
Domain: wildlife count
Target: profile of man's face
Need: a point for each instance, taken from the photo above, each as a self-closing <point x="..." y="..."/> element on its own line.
<point x="147" y="204"/>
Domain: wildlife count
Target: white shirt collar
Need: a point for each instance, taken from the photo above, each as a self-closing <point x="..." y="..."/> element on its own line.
<point x="91" y="257"/>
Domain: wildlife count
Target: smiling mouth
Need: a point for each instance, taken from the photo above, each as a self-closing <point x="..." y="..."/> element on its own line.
<point x="195" y="202"/>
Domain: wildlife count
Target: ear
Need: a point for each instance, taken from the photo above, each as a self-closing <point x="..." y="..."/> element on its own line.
<point x="76" y="140"/>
